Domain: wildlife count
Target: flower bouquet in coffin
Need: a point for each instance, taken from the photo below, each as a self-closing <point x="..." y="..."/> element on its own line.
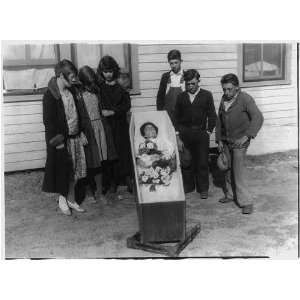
<point x="156" y="166"/>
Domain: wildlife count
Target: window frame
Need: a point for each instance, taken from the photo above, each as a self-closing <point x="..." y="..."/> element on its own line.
<point x="134" y="70"/>
<point x="129" y="49"/>
<point x="65" y="51"/>
<point x="258" y="83"/>
<point x="22" y="64"/>
<point x="19" y="64"/>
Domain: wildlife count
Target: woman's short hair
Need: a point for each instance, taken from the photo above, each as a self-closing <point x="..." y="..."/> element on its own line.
<point x="108" y="63"/>
<point x="88" y="77"/>
<point x="142" y="129"/>
<point x="230" y="78"/>
<point x="191" y="74"/>
<point x="65" y="67"/>
<point x="174" y="54"/>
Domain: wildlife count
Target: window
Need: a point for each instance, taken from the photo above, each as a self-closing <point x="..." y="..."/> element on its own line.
<point x="124" y="54"/>
<point x="27" y="68"/>
<point x="264" y="64"/>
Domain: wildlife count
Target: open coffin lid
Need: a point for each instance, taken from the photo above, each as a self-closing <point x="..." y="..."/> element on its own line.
<point x="159" y="187"/>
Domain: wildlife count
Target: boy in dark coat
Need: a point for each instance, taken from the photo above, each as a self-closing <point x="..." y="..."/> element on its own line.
<point x="195" y="120"/>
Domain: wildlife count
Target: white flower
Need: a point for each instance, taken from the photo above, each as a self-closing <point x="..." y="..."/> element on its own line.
<point x="150" y="146"/>
<point x="163" y="172"/>
<point x="167" y="156"/>
<point x="157" y="169"/>
<point x="156" y="181"/>
<point x="145" y="178"/>
<point x="155" y="174"/>
<point x="147" y="172"/>
<point x="151" y="170"/>
<point x="166" y="179"/>
<point x="142" y="145"/>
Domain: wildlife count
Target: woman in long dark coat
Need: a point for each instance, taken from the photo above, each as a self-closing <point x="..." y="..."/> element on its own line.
<point x="115" y="102"/>
<point x="65" y="163"/>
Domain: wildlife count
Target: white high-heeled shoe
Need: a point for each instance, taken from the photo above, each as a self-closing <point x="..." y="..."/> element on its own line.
<point x="63" y="205"/>
<point x="75" y="206"/>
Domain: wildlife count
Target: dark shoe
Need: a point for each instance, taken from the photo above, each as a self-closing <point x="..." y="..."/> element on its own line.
<point x="203" y="195"/>
<point x="113" y="188"/>
<point x="110" y="198"/>
<point x="247" y="209"/>
<point x="225" y="200"/>
<point x="129" y="184"/>
<point x="91" y="199"/>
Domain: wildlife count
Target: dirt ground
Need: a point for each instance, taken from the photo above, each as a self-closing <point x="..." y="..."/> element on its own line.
<point x="35" y="228"/>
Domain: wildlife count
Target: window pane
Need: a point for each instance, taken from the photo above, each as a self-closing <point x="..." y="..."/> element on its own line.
<point x="272" y="60"/>
<point x="252" y="61"/>
<point x="14" y="52"/>
<point x="42" y="52"/>
<point x="263" y="62"/>
<point x="117" y="52"/>
<point x="87" y="54"/>
<point x="27" y="79"/>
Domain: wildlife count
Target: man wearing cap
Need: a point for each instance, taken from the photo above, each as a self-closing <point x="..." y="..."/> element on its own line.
<point x="239" y="121"/>
<point x="195" y="120"/>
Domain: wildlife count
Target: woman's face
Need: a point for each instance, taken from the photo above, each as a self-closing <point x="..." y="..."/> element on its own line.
<point x="150" y="131"/>
<point x="108" y="75"/>
<point x="69" y="80"/>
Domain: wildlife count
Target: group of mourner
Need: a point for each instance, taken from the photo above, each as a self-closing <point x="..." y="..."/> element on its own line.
<point x="85" y="114"/>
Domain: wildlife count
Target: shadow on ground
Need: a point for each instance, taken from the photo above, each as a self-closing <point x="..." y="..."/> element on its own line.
<point x="34" y="228"/>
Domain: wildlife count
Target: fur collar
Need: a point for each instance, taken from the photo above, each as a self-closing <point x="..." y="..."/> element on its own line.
<point x="53" y="88"/>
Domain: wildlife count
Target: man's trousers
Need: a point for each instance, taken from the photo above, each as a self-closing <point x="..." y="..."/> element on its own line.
<point x="197" y="142"/>
<point x="236" y="181"/>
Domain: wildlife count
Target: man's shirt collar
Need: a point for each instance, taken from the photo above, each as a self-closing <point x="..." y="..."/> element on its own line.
<point x="180" y="73"/>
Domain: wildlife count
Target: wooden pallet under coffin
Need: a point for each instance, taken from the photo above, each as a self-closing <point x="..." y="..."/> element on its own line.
<point x="160" y="197"/>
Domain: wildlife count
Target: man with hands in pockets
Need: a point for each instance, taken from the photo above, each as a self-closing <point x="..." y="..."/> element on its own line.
<point x="239" y="121"/>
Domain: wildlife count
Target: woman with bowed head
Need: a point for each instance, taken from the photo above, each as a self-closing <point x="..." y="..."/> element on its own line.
<point x="100" y="147"/>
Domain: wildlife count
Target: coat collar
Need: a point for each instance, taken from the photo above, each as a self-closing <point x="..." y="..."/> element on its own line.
<point x="54" y="90"/>
<point x="180" y="73"/>
<point x="169" y="73"/>
<point x="235" y="102"/>
<point x="187" y="96"/>
<point x="195" y="94"/>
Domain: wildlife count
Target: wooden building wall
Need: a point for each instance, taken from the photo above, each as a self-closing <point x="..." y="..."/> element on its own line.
<point x="24" y="146"/>
<point x="278" y="102"/>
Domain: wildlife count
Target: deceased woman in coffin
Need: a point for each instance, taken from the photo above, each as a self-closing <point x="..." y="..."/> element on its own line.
<point x="155" y="157"/>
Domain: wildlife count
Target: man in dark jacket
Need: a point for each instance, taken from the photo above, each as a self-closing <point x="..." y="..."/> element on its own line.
<point x="65" y="163"/>
<point x="195" y="119"/>
<point x="239" y="121"/>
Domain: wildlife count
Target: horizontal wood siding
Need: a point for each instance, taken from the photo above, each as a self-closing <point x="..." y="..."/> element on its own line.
<point x="212" y="61"/>
<point x="24" y="145"/>
<point x="278" y="103"/>
<point x="24" y="137"/>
